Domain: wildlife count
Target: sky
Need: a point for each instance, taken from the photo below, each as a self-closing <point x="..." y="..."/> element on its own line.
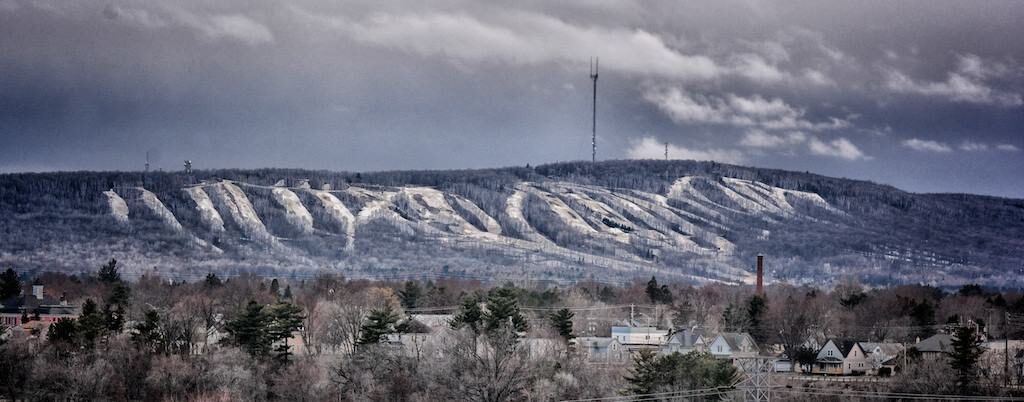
<point x="927" y="96"/>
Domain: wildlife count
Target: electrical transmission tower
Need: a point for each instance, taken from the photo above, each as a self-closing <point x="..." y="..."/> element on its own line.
<point x="593" y="130"/>
<point x="756" y="384"/>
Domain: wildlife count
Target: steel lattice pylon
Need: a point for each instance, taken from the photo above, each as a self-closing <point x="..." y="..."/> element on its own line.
<point x="755" y="384"/>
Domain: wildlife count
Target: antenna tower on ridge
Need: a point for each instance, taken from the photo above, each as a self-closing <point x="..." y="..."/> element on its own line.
<point x="593" y="130"/>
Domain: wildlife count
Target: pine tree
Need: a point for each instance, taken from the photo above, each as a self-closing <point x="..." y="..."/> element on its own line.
<point x="469" y="315"/>
<point x="108" y="273"/>
<point x="212" y="280"/>
<point x="410" y="294"/>
<point x="284" y="319"/>
<point x="249" y="330"/>
<point x="755" y="313"/>
<point x="653" y="290"/>
<point x="380" y="322"/>
<point x="275" y="286"/>
<point x="64" y="330"/>
<point x="147" y="333"/>
<point x="287" y="292"/>
<point x="502" y="309"/>
<point x="91" y="324"/>
<point x="10" y="285"/>
<point x="967" y="350"/>
<point x="562" y="321"/>
<point x="645" y="376"/>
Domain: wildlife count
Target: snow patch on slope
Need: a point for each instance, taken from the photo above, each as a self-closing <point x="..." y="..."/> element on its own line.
<point x="489" y="223"/>
<point x="242" y="211"/>
<point x="207" y="213"/>
<point x="295" y="213"/>
<point x="337" y="211"/>
<point x="514" y="210"/>
<point x="157" y="207"/>
<point x="118" y="208"/>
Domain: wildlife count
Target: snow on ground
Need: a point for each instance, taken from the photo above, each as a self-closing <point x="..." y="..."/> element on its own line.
<point x="514" y="209"/>
<point x="118" y="208"/>
<point x="684" y="190"/>
<point x="756" y="198"/>
<point x="295" y="213"/>
<point x="157" y="207"/>
<point x="204" y="205"/>
<point x="431" y="207"/>
<point x="564" y="212"/>
<point x="596" y="210"/>
<point x="242" y="211"/>
<point x="490" y="224"/>
<point x="337" y="211"/>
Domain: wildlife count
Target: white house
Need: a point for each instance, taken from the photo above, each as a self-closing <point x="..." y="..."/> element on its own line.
<point x="638" y="338"/>
<point x="829" y="359"/>
<point x="731" y="345"/>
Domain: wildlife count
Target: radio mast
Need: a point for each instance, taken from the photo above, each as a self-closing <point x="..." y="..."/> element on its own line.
<point x="593" y="130"/>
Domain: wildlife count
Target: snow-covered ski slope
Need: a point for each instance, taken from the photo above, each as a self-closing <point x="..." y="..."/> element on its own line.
<point x="608" y="228"/>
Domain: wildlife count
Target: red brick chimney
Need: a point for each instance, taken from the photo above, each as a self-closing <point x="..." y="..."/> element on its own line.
<point x="760" y="275"/>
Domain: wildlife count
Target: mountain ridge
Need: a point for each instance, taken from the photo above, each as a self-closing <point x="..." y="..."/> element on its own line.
<point x="609" y="221"/>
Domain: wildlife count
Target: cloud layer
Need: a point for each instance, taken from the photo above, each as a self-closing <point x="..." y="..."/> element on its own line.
<point x="361" y="85"/>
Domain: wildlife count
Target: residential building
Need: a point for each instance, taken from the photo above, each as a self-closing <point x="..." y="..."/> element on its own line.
<point x="936" y="346"/>
<point x="732" y="345"/>
<point x="685" y="341"/>
<point x="640" y="338"/>
<point x="601" y="349"/>
<point x="883" y="357"/>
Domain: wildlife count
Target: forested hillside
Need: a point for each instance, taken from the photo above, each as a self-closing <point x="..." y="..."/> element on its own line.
<point x="611" y="222"/>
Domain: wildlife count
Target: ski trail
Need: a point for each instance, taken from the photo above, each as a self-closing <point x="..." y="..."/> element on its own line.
<point x="295" y="213"/>
<point x="242" y="212"/>
<point x="337" y="211"/>
<point x="207" y="213"/>
<point x="490" y="224"/>
<point x="158" y="208"/>
<point x="118" y="208"/>
<point x="514" y="209"/>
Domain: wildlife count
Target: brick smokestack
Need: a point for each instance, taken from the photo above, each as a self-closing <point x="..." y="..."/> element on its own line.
<point x="760" y="275"/>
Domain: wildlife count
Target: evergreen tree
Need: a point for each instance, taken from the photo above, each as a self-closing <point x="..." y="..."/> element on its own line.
<point x="469" y="315"/>
<point x="380" y="322"/>
<point x="967" y="350"/>
<point x="287" y="292"/>
<point x="109" y="273"/>
<point x="502" y="309"/>
<point x="91" y="324"/>
<point x="562" y="321"/>
<point x="249" y="330"/>
<point x="677" y="372"/>
<point x="147" y="333"/>
<point x="284" y="319"/>
<point x="10" y="285"/>
<point x="923" y="316"/>
<point x="64" y="330"/>
<point x="275" y="287"/>
<point x="755" y="313"/>
<point x="653" y="290"/>
<point x="410" y="294"/>
<point x="24" y="317"/>
<point x="212" y="280"/>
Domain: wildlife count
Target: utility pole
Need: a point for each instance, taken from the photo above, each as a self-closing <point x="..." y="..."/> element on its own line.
<point x="1006" y="347"/>
<point x="147" y="161"/>
<point x="666" y="151"/>
<point x="593" y="129"/>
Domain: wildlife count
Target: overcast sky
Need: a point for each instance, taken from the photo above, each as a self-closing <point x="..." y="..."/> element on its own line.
<point x="924" y="95"/>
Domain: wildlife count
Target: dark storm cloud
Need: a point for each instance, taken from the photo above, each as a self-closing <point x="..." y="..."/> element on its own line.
<point x="924" y="96"/>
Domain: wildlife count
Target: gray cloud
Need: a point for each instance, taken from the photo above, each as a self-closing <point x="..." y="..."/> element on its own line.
<point x="830" y="87"/>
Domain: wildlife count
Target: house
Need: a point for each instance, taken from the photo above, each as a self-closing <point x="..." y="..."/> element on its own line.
<point x="640" y="338"/>
<point x="685" y="341"/>
<point x="855" y="360"/>
<point x="36" y="306"/>
<point x="731" y="345"/>
<point x="829" y="359"/>
<point x="936" y="346"/>
<point x="601" y="349"/>
<point x="883" y="357"/>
